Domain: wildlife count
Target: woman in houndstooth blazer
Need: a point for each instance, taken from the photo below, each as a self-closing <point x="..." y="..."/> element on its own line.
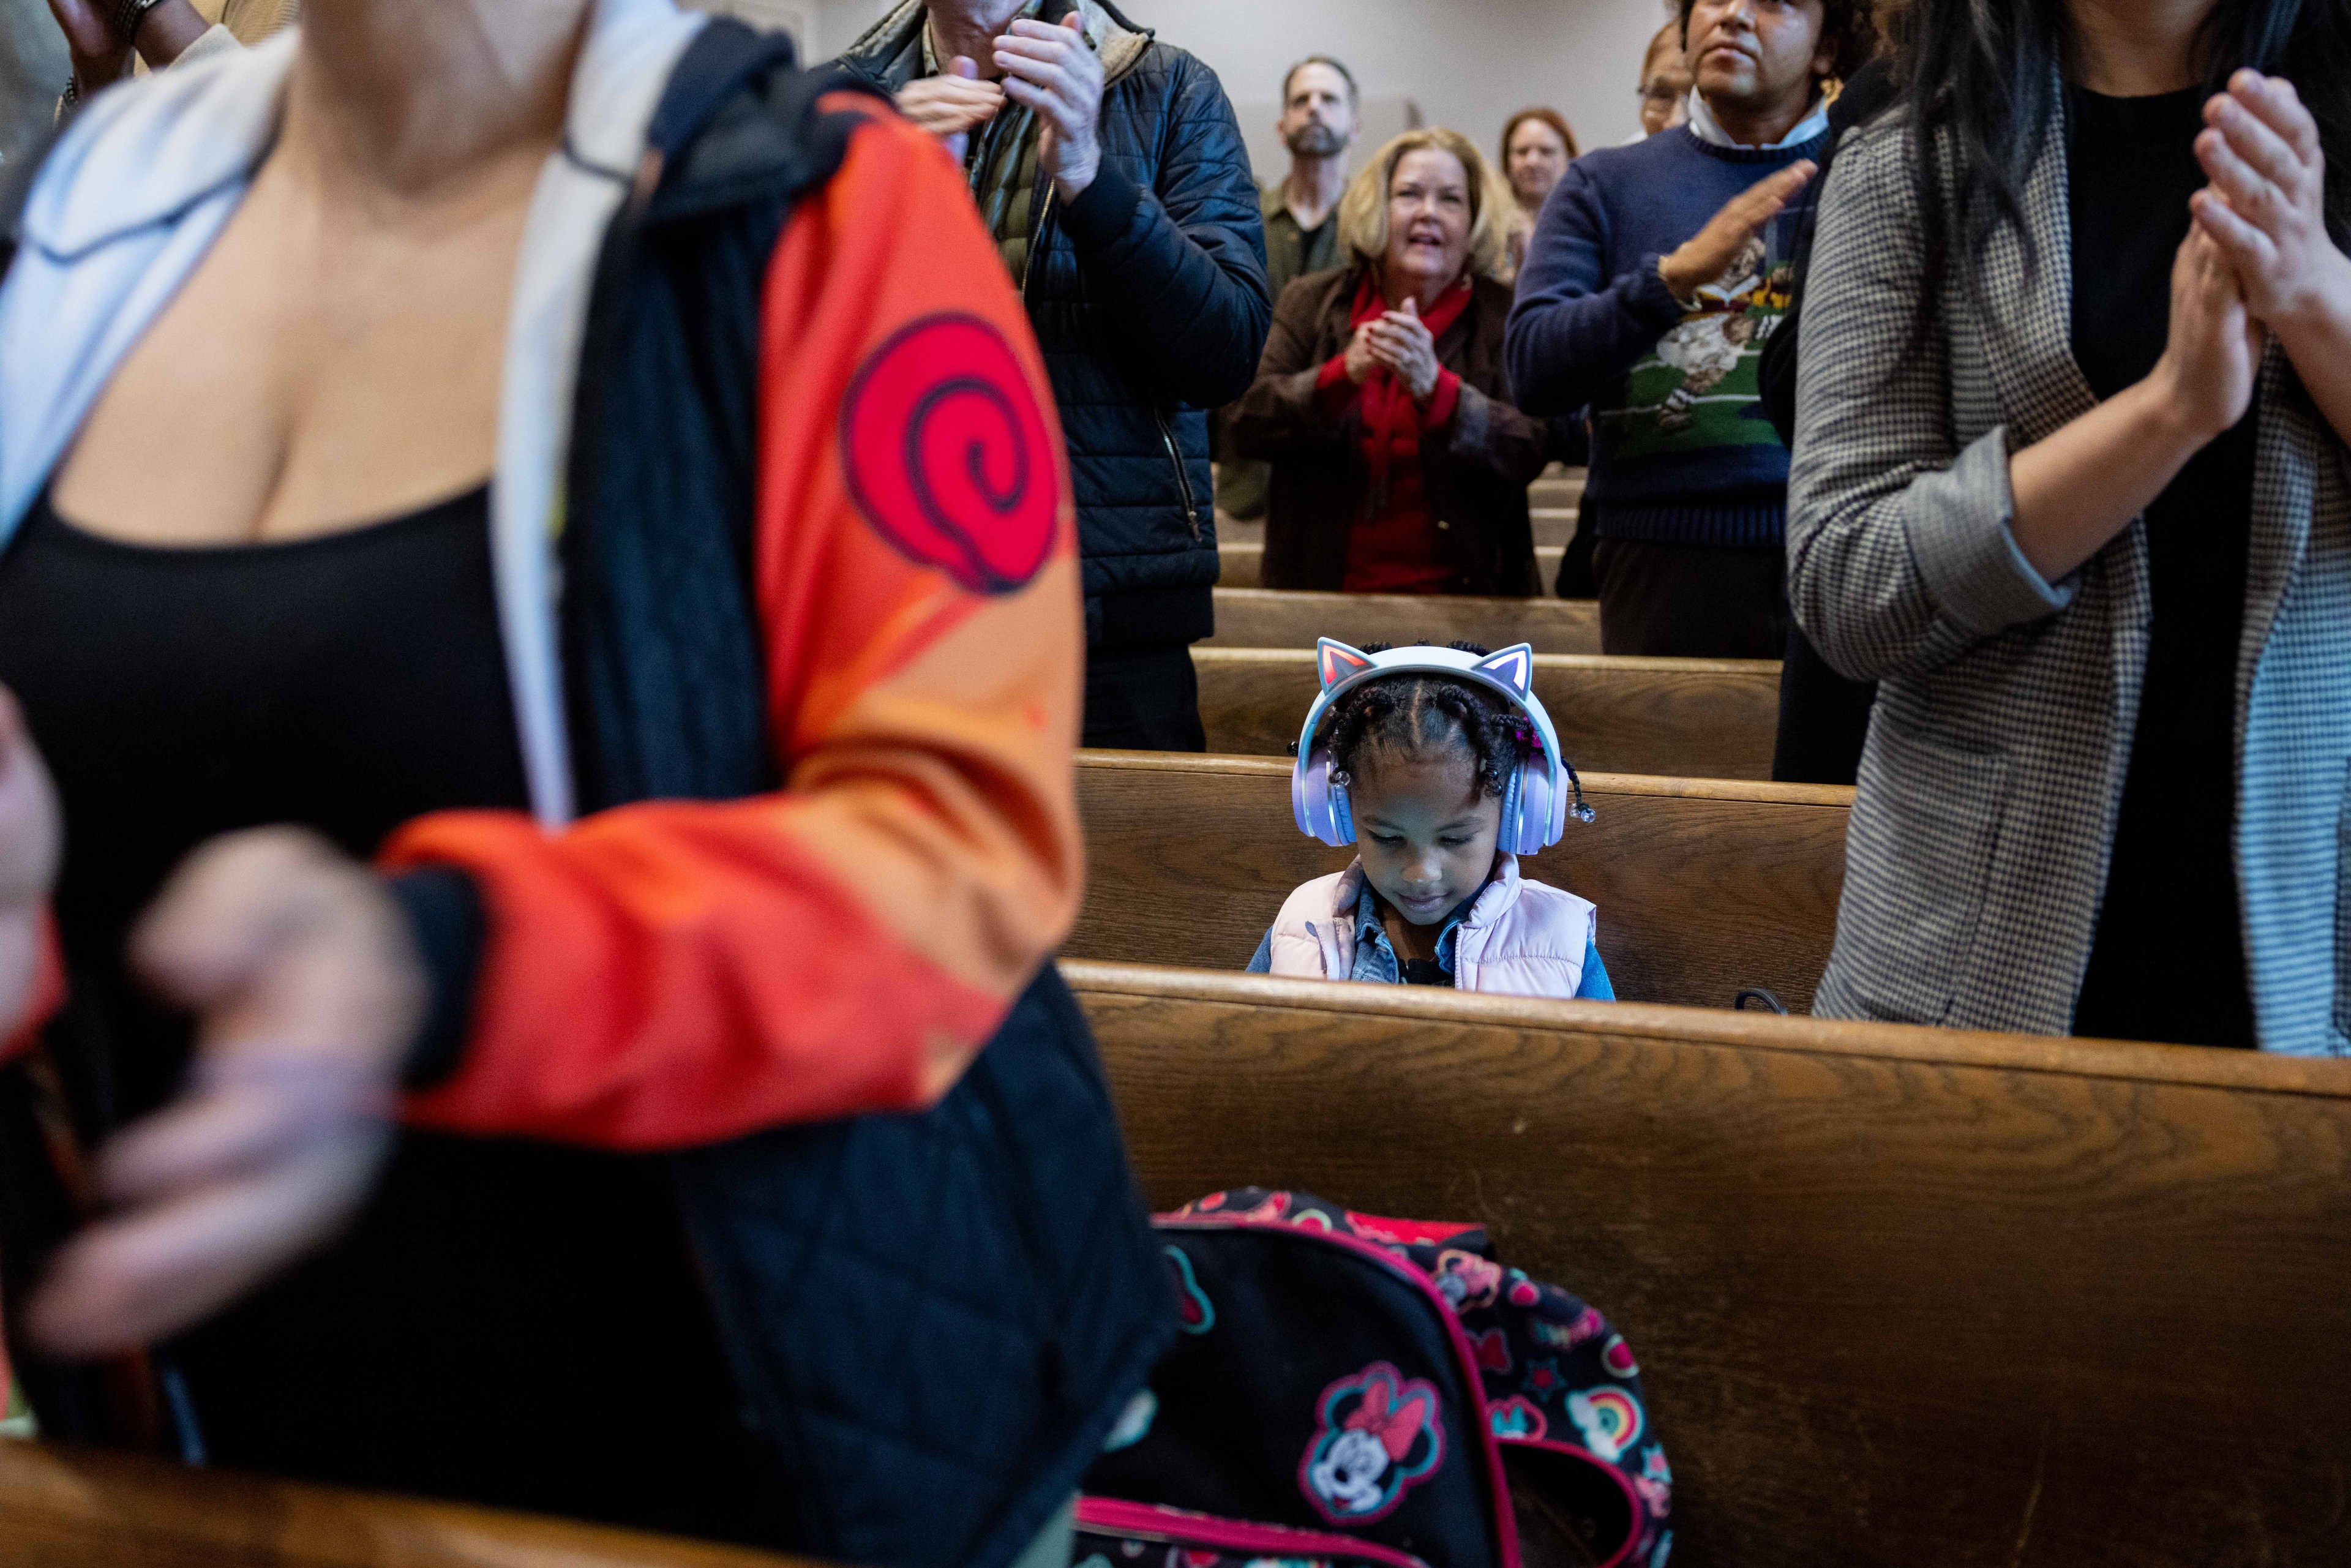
<point x="1969" y="525"/>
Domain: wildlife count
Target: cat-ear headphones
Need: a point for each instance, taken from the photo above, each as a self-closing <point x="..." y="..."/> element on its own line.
<point x="1535" y="806"/>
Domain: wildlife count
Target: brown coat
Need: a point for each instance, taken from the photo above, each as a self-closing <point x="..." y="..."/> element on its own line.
<point x="1477" y="469"/>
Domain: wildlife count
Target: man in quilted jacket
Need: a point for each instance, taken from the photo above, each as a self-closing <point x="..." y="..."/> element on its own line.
<point x="1110" y="171"/>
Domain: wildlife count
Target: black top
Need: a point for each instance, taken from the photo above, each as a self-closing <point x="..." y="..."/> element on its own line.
<point x="506" y="1321"/>
<point x="2169" y="962"/>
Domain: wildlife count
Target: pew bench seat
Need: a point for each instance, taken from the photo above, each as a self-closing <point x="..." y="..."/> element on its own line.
<point x="1267" y="618"/>
<point x="1900" y="1296"/>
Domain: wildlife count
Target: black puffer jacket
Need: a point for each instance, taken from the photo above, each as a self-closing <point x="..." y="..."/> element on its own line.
<point x="1149" y="298"/>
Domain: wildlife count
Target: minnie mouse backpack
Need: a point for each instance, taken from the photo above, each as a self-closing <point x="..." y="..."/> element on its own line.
<point x="1372" y="1393"/>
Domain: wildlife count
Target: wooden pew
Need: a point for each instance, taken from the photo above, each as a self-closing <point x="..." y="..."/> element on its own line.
<point x="1263" y="618"/>
<point x="1691" y="718"/>
<point x="62" y="1508"/>
<point x="1242" y="565"/>
<point x="1553" y="527"/>
<point x="1704" y="887"/>
<point x="1900" y="1296"/>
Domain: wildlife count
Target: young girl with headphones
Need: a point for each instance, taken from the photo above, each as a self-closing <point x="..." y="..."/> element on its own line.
<point x="1442" y="768"/>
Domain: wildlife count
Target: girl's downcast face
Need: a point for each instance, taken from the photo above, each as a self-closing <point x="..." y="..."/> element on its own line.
<point x="1425" y="831"/>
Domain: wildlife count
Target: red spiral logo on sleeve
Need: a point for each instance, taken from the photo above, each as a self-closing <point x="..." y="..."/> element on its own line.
<point x="949" y="456"/>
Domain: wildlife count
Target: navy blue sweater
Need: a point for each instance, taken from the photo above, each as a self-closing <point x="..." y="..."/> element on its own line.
<point x="1681" y="451"/>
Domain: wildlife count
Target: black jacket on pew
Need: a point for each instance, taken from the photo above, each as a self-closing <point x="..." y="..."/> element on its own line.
<point x="932" y="1319"/>
<point x="1149" y="298"/>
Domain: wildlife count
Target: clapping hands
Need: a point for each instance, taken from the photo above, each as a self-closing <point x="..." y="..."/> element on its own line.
<point x="1048" y="68"/>
<point x="953" y="106"/>
<point x="1054" y="70"/>
<point x="1398" y="342"/>
<point x="2265" y="209"/>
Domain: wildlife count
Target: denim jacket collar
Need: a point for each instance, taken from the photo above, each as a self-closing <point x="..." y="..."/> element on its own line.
<point x="1375" y="955"/>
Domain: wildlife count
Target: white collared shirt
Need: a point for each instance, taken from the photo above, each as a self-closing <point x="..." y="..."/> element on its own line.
<point x="1706" y="127"/>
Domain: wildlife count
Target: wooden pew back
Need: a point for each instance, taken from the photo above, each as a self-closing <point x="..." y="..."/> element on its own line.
<point x="1263" y="618"/>
<point x="1241" y="562"/>
<point x="1703" y="888"/>
<point x="1685" y="718"/>
<point x="1900" y="1296"/>
<point x="61" y="1508"/>
<point x="1552" y="514"/>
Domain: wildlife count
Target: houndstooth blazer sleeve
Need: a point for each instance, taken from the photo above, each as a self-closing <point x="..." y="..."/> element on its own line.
<point x="1899" y="550"/>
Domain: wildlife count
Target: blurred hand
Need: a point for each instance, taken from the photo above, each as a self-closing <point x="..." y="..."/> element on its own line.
<point x="2208" y="367"/>
<point x="1708" y="256"/>
<point x="1360" y="361"/>
<point x="2266" y="207"/>
<point x="1400" y="340"/>
<point x="98" y="57"/>
<point x="953" y="106"/>
<point x="31" y="841"/>
<point x="1052" y="70"/>
<point x="309" y="991"/>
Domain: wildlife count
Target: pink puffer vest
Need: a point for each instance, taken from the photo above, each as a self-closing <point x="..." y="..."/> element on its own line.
<point x="1519" y="940"/>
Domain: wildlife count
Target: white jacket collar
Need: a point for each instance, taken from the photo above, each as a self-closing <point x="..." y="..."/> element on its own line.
<point x="142" y="154"/>
<point x="1706" y="127"/>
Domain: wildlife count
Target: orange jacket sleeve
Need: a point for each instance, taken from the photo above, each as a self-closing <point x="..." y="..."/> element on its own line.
<point x="43" y="987"/>
<point x="673" y="973"/>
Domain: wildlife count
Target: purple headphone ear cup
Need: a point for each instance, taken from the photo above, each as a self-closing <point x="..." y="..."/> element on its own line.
<point x="1318" y="806"/>
<point x="1508" y="837"/>
<point x="1538" y="829"/>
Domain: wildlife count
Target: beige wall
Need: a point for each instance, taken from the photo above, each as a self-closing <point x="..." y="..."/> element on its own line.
<point x="1469" y="64"/>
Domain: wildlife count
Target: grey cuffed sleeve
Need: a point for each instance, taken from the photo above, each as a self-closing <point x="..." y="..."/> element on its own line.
<point x="1959" y="525"/>
<point x="1900" y="553"/>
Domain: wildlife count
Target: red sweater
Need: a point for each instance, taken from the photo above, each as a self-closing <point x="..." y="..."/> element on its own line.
<point x="1394" y="547"/>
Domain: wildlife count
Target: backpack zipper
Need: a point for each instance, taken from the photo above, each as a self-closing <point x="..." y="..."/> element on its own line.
<point x="1280" y="1543"/>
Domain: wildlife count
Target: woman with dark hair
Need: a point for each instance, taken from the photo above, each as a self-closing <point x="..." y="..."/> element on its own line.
<point x="2072" y="483"/>
<point x="1399" y="464"/>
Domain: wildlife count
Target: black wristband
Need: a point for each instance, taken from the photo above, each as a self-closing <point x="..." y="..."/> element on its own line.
<point x="451" y="927"/>
<point x="129" y="15"/>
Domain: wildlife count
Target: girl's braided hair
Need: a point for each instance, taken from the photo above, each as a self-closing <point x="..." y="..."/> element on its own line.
<point x="1424" y="711"/>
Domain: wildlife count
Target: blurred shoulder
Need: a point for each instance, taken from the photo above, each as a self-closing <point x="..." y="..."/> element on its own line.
<point x="1874" y="166"/>
<point x="1556" y="902"/>
<point x="1649" y="157"/>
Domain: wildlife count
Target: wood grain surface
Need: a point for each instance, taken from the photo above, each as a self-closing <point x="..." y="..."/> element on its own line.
<point x="62" y="1508"/>
<point x="1263" y="618"/>
<point x="1243" y="564"/>
<point x="1686" y="718"/>
<point x="1900" y="1296"/>
<point x="1704" y="887"/>
<point x="1553" y="524"/>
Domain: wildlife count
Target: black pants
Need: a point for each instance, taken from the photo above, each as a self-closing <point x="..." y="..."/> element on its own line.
<point x="1143" y="699"/>
<point x="1823" y="718"/>
<point x="1692" y="602"/>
